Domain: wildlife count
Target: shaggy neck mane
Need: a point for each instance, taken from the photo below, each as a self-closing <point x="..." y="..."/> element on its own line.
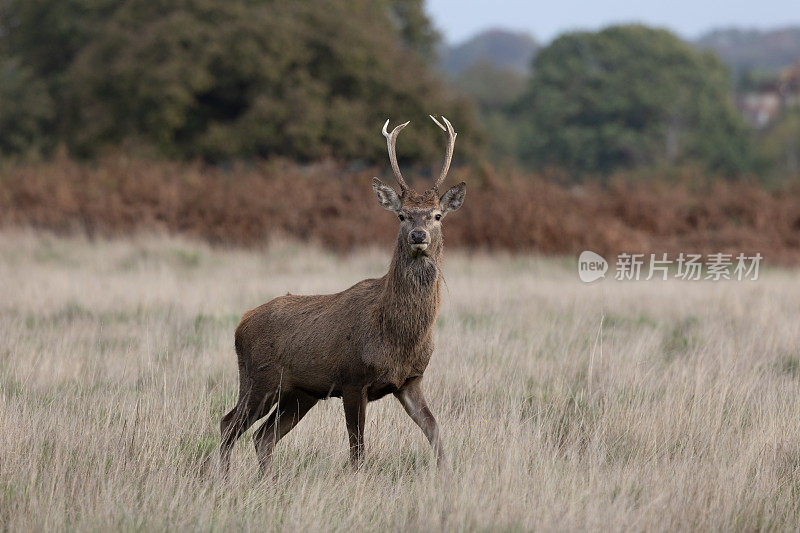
<point x="409" y="301"/>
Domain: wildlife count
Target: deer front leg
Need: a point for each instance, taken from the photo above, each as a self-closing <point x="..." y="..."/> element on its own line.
<point x="413" y="401"/>
<point x="355" y="410"/>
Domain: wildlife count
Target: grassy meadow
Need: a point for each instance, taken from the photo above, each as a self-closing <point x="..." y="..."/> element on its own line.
<point x="623" y="406"/>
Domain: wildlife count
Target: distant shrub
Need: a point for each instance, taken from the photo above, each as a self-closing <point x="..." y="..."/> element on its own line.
<point x="333" y="206"/>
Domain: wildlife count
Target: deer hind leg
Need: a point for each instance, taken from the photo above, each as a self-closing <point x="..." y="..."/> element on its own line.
<point x="292" y="407"/>
<point x="248" y="410"/>
<point x="413" y="401"/>
<point x="355" y="411"/>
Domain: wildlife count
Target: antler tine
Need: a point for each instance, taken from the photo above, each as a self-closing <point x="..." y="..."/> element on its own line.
<point x="391" y="140"/>
<point x="448" y="157"/>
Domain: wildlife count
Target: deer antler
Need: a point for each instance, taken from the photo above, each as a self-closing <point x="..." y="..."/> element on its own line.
<point x="391" y="139"/>
<point x="448" y="157"/>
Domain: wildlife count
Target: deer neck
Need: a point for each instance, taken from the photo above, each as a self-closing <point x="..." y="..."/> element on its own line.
<point x="411" y="296"/>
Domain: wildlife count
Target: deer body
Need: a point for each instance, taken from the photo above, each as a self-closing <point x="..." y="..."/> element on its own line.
<point x="361" y="344"/>
<point x="323" y="344"/>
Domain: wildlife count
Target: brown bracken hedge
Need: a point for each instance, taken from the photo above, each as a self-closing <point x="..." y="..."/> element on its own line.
<point x="334" y="206"/>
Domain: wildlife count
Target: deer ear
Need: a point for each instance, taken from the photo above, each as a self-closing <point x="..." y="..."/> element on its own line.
<point x="387" y="197"/>
<point x="453" y="198"/>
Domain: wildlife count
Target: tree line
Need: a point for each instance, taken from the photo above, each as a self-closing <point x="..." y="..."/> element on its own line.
<point x="220" y="79"/>
<point x="232" y="79"/>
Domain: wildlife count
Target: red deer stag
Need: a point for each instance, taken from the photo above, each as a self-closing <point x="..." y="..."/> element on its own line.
<point x="361" y="344"/>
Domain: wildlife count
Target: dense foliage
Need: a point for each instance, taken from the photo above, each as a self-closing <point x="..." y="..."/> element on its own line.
<point x="221" y="78"/>
<point x="629" y="96"/>
<point x="333" y="205"/>
<point x="240" y="79"/>
<point x="779" y="149"/>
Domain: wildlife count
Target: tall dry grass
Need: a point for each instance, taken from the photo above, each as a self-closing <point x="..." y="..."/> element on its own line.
<point x="636" y="406"/>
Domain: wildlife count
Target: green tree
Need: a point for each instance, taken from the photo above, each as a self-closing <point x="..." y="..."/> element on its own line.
<point x="779" y="147"/>
<point x="26" y="110"/>
<point x="415" y="27"/>
<point x="630" y="96"/>
<point x="235" y="78"/>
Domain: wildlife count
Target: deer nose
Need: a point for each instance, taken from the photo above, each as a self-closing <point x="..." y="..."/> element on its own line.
<point x="419" y="236"/>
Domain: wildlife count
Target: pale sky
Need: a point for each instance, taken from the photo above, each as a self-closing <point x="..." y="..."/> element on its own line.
<point x="460" y="19"/>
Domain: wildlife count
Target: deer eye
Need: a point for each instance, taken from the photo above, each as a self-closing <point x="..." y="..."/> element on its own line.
<point x="438" y="216"/>
<point x="401" y="217"/>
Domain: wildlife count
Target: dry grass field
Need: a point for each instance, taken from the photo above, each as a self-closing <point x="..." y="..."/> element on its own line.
<point x="623" y="406"/>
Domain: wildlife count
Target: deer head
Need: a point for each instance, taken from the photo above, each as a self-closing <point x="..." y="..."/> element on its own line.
<point x="420" y="214"/>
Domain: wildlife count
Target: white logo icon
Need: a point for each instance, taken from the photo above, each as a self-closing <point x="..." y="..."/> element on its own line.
<point x="591" y="266"/>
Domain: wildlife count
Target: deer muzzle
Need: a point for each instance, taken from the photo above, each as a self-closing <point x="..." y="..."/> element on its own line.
<point x="419" y="240"/>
